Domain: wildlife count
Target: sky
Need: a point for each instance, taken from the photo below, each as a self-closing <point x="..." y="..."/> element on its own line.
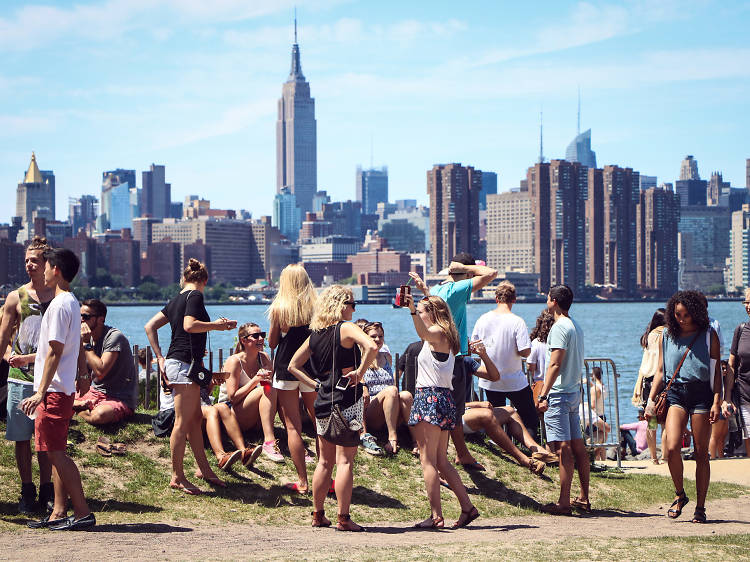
<point x="97" y="85"/>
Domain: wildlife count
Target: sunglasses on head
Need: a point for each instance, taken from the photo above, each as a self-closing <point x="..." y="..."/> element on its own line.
<point x="255" y="336"/>
<point x="87" y="316"/>
<point x="353" y="304"/>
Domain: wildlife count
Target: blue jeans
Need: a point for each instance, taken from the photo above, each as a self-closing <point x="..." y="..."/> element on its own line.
<point x="561" y="418"/>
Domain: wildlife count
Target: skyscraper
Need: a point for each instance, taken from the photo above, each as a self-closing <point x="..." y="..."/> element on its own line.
<point x="579" y="150"/>
<point x="489" y="187"/>
<point x="657" y="217"/>
<point x="82" y="211"/>
<point x="35" y="192"/>
<point x="689" y="168"/>
<point x="738" y="273"/>
<point x="716" y="188"/>
<point x="510" y="228"/>
<point x="692" y="192"/>
<point x="703" y="245"/>
<point x="296" y="136"/>
<point x="286" y="214"/>
<point x="454" y="212"/>
<point x="156" y="194"/>
<point x="116" y="206"/>
<point x="372" y="188"/>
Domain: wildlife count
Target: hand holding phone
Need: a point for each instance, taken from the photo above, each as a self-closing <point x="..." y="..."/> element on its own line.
<point x="343" y="383"/>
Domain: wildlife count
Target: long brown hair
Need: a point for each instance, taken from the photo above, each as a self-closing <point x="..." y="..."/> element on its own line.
<point x="441" y="316"/>
<point x="241" y="333"/>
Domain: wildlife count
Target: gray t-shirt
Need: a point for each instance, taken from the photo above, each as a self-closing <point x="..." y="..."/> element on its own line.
<point x="121" y="383"/>
<point x="566" y="334"/>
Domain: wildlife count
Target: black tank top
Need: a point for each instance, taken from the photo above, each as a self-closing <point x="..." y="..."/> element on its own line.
<point x="322" y="348"/>
<point x="288" y="346"/>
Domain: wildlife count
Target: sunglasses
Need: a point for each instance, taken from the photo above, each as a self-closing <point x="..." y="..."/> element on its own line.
<point x="85" y="316"/>
<point x="352" y="304"/>
<point x="255" y="336"/>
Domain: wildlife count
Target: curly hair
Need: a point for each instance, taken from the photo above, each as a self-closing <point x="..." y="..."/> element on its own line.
<point x="39" y="243"/>
<point x="294" y="303"/>
<point x="694" y="302"/>
<point x="330" y="307"/>
<point x="441" y="316"/>
<point x="543" y="325"/>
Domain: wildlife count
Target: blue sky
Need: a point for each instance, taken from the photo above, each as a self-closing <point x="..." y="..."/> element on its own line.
<point x="92" y="86"/>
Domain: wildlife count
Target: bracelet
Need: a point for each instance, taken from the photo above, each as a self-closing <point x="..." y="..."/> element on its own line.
<point x="413" y="313"/>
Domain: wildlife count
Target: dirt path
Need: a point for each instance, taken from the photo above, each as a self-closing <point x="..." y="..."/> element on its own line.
<point x="189" y="540"/>
<point x="735" y="470"/>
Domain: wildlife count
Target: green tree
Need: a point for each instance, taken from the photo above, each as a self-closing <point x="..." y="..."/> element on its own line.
<point x="170" y="291"/>
<point x="149" y="291"/>
<point x="715" y="289"/>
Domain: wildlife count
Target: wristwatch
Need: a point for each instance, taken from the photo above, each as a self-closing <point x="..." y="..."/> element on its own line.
<point x="88" y="347"/>
<point x="542" y="398"/>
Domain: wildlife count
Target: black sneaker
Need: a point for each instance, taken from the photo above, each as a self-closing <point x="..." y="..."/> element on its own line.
<point x="27" y="503"/>
<point x="73" y="524"/>
<point x="45" y="522"/>
<point x="47" y="497"/>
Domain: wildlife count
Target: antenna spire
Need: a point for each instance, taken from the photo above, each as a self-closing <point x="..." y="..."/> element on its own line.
<point x="541" y="137"/>
<point x="578" y="130"/>
<point x="295" y="25"/>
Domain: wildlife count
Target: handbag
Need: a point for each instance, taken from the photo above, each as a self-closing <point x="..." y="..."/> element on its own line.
<point x="660" y="405"/>
<point x="340" y="431"/>
<point x="197" y="372"/>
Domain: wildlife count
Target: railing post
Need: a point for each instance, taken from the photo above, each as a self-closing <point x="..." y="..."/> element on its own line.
<point x="136" y="365"/>
<point x="148" y="377"/>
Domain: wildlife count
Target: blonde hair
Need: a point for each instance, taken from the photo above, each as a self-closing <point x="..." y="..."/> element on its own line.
<point x="441" y="316"/>
<point x="195" y="272"/>
<point x="39" y="243"/>
<point x="505" y="292"/>
<point x="241" y="333"/>
<point x="295" y="302"/>
<point x="330" y="307"/>
<point x="747" y="294"/>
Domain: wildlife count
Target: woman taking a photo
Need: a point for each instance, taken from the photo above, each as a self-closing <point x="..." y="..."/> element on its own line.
<point x="651" y="342"/>
<point x="290" y="314"/>
<point x="335" y="338"/>
<point x="433" y="414"/>
<point x="248" y="387"/>
<point x="190" y="324"/>
<point x="690" y="361"/>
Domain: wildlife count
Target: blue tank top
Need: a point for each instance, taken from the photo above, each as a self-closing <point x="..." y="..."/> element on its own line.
<point x="696" y="367"/>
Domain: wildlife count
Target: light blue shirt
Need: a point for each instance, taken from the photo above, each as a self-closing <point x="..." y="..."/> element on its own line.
<point x="457" y="294"/>
<point x="567" y="334"/>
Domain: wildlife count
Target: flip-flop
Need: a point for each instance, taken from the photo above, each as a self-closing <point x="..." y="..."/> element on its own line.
<point x="104" y="447"/>
<point x="294" y="487"/>
<point x="118" y="448"/>
<point x="554" y="509"/>
<point x="476" y="465"/>
<point x="189" y="491"/>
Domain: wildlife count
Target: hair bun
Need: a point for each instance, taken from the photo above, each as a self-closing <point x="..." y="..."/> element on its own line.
<point x="194" y="264"/>
<point x="39" y="240"/>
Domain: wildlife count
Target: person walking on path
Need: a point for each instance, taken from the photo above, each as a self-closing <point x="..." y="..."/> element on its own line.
<point x="690" y="362"/>
<point x="559" y="400"/>
<point x="56" y="365"/>
<point x="21" y="320"/>
<point x="190" y="323"/>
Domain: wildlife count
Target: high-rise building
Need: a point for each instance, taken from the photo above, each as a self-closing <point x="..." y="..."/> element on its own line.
<point x="36" y="191"/>
<point x="116" y="206"/>
<point x="372" y="188"/>
<point x="657" y="217"/>
<point x="406" y="229"/>
<point x="344" y="216"/>
<point x="716" y="188"/>
<point x="689" y="168"/>
<point x="646" y="182"/>
<point x="82" y="212"/>
<point x="87" y="251"/>
<point x="296" y="136"/>
<point x="319" y="199"/>
<point x="124" y="255"/>
<point x="611" y="227"/>
<point x="287" y="216"/>
<point x="12" y="257"/>
<point x="537" y="180"/>
<point x="162" y="263"/>
<point x="156" y="193"/>
<point x="692" y="192"/>
<point x="579" y="150"/>
<point x="489" y="187"/>
<point x="510" y="228"/>
<point x="703" y="246"/>
<point x="454" y="212"/>
<point x="738" y="272"/>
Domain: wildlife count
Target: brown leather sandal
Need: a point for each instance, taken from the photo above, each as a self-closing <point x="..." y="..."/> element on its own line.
<point x="431" y="523"/>
<point x="346" y="524"/>
<point x="319" y="519"/>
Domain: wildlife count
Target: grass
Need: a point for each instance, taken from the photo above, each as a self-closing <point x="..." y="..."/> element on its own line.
<point x="134" y="487"/>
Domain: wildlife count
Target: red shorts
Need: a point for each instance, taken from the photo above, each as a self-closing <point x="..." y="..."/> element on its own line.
<point x="52" y="420"/>
<point x="94" y="398"/>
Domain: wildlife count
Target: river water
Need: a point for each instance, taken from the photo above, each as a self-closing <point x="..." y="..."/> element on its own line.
<point x="611" y="330"/>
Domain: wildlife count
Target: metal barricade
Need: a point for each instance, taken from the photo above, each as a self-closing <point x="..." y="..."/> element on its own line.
<point x="609" y="406"/>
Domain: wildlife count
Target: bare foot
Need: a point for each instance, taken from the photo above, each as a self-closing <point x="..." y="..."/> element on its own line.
<point x="211" y="479"/>
<point x="185" y="486"/>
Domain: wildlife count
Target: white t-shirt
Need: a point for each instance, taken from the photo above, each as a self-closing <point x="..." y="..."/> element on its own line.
<point x="61" y="323"/>
<point x="538" y="357"/>
<point x="504" y="335"/>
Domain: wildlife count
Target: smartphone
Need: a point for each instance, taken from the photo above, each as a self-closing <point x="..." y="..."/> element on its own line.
<point x="342" y="384"/>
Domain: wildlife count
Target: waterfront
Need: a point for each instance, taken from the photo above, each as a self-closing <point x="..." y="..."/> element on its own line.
<point x="610" y="329"/>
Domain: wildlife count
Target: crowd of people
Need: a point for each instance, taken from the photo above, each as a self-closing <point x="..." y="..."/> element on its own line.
<point x="65" y="360"/>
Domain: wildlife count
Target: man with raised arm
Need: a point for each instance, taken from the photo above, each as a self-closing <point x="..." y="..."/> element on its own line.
<point x="19" y="328"/>
<point x="55" y="369"/>
<point x="559" y="399"/>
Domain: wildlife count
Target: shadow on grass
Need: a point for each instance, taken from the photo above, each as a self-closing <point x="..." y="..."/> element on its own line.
<point x="365" y="496"/>
<point x="495" y="489"/>
<point x="139" y="528"/>
<point x="126" y="507"/>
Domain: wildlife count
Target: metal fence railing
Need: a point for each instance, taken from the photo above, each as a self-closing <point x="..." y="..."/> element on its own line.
<point x="606" y="408"/>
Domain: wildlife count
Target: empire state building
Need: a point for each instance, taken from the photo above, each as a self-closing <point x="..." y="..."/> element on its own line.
<point x="296" y="137"/>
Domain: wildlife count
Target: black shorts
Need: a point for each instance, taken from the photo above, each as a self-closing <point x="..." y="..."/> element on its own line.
<point x="693" y="397"/>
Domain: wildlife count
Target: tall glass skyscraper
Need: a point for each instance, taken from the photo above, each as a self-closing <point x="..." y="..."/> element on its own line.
<point x="372" y="188"/>
<point x="579" y="150"/>
<point x="296" y="136"/>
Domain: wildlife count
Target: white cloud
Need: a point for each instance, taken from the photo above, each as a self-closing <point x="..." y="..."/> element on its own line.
<point x="11" y="125"/>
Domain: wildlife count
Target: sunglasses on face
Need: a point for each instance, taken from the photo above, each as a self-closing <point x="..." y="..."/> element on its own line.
<point x="352" y="304"/>
<point x="85" y="316"/>
<point x="255" y="336"/>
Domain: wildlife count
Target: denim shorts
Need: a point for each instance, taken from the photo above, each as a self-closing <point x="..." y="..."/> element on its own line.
<point x="19" y="426"/>
<point x="693" y="397"/>
<point x="177" y="371"/>
<point x="561" y="418"/>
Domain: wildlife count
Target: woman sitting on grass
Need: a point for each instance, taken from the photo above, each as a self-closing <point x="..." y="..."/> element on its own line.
<point x="387" y="405"/>
<point x="248" y="389"/>
<point x="433" y="414"/>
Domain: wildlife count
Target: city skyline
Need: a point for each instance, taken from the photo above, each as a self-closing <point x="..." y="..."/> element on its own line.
<point x="177" y="84"/>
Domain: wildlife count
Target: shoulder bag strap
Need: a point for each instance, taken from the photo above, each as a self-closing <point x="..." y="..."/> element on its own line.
<point x="679" y="365"/>
<point x="190" y="336"/>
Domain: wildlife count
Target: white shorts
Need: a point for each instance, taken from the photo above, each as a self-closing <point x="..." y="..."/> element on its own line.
<point x="467" y="429"/>
<point x="292" y="385"/>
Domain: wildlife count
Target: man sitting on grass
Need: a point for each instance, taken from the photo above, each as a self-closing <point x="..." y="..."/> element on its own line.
<point x="114" y="386"/>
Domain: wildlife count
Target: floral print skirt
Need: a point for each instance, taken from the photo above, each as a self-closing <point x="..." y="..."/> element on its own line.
<point x="435" y="405"/>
